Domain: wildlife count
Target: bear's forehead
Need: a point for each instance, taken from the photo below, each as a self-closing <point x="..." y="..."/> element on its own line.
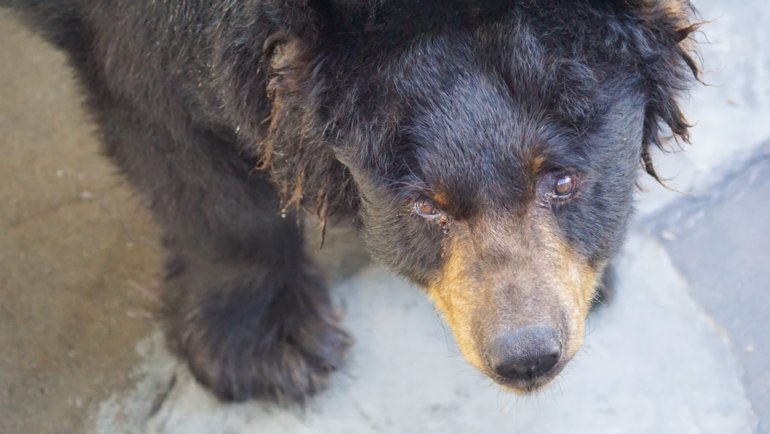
<point x="514" y="61"/>
<point x="481" y="111"/>
<point x="477" y="141"/>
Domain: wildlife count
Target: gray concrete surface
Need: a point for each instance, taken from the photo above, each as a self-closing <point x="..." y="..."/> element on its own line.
<point x="683" y="348"/>
<point x="77" y="255"/>
<point x="720" y="241"/>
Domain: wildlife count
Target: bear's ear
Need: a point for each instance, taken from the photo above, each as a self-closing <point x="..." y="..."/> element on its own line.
<point x="665" y="54"/>
<point x="305" y="20"/>
<point x="312" y="20"/>
<point x="292" y="148"/>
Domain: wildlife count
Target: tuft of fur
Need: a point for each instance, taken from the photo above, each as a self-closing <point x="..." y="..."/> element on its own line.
<point x="663" y="49"/>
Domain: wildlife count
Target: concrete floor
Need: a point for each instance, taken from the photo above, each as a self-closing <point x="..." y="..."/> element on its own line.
<point x="683" y="348"/>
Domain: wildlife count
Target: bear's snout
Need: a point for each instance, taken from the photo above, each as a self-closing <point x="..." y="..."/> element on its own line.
<point x="524" y="354"/>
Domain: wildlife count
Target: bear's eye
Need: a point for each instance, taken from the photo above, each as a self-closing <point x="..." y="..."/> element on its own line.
<point x="425" y="208"/>
<point x="565" y="186"/>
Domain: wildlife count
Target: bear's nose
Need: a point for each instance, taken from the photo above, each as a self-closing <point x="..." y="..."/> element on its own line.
<point x="524" y="354"/>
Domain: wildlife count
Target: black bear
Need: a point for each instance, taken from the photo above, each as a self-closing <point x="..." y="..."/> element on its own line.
<point x="488" y="149"/>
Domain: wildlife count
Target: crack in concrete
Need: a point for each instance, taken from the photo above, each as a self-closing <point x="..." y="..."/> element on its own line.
<point x="83" y="197"/>
<point x="23" y="220"/>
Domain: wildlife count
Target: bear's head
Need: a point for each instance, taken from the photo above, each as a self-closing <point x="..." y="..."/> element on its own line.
<point x="490" y="148"/>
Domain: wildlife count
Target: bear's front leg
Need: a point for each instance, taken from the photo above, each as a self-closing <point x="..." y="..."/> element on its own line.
<point x="243" y="305"/>
<point x="250" y="331"/>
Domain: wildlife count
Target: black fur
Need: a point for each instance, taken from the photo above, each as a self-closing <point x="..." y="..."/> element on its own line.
<point x="355" y="108"/>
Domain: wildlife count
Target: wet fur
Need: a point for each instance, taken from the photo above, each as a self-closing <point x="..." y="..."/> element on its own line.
<point x="232" y="116"/>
